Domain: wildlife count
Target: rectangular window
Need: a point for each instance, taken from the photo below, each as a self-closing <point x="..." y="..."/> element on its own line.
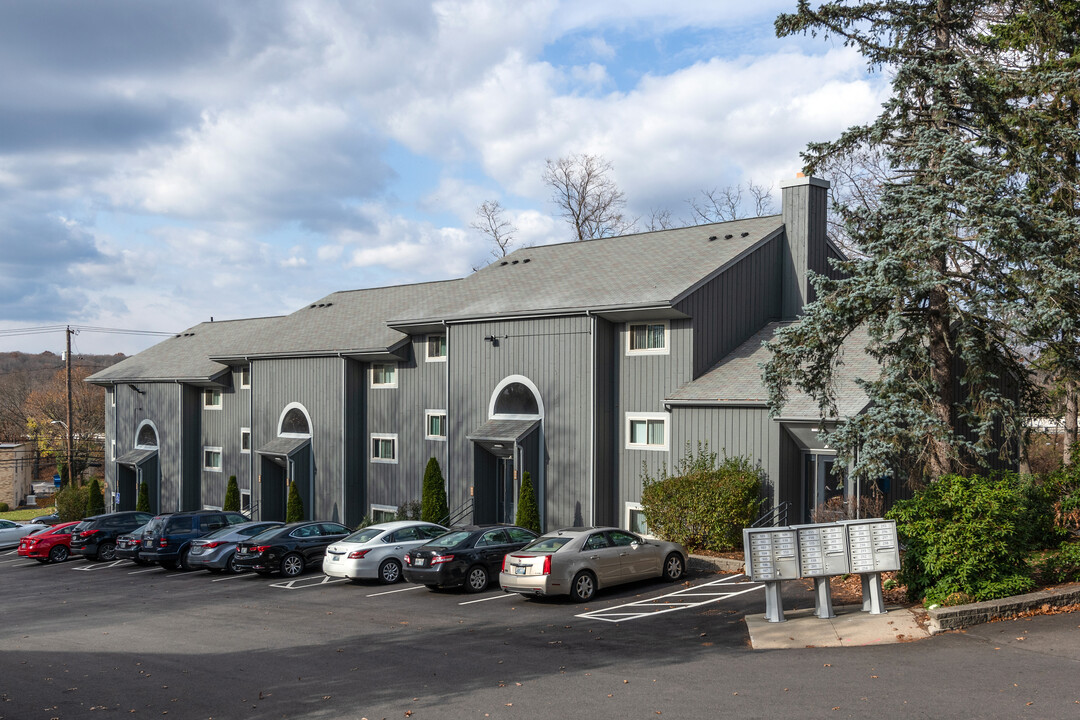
<point x="435" y="424"/>
<point x="383" y="448"/>
<point x="245" y="377"/>
<point x="383" y="513"/>
<point x="383" y="375"/>
<point x="112" y="450"/>
<point x="245" y="502"/>
<point x="112" y="397"/>
<point x="646" y="431"/>
<point x="212" y="459"/>
<point x="245" y="440"/>
<point x="436" y="348"/>
<point x="635" y="519"/>
<point x="212" y="398"/>
<point x="647" y="338"/>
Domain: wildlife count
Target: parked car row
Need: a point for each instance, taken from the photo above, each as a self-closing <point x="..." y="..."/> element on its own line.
<point x="573" y="561"/>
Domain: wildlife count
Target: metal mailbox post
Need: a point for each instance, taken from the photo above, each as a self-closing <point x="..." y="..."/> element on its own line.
<point x="874" y="548"/>
<point x="771" y="555"/>
<point x="822" y="553"/>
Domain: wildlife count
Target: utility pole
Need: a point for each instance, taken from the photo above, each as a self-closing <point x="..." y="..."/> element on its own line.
<point x="70" y="439"/>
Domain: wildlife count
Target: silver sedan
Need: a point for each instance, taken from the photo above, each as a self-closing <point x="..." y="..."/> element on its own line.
<point x="11" y="532"/>
<point x="579" y="561"/>
<point x="377" y="551"/>
<point x="217" y="551"/>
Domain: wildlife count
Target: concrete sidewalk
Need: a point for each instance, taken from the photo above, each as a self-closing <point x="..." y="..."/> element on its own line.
<point x="851" y="627"/>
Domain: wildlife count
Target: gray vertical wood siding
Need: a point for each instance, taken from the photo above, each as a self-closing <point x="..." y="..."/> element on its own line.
<point x="605" y="414"/>
<point x="221" y="428"/>
<point x="160" y="404"/>
<point x="804" y="211"/>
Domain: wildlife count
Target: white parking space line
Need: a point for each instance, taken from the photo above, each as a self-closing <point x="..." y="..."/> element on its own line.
<point x="99" y="566"/>
<point x="391" y="592"/>
<point x="5" y="562"/>
<point x="30" y="564"/>
<point x="292" y="584"/>
<point x="230" y="577"/>
<point x="145" y="570"/>
<point x="718" y="590"/>
<point x="493" y="597"/>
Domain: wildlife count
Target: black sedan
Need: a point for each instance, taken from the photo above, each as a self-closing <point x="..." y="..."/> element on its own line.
<point x="288" y="549"/>
<point x="468" y="556"/>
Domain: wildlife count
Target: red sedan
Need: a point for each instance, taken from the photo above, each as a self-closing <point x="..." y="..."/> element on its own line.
<point x="52" y="545"/>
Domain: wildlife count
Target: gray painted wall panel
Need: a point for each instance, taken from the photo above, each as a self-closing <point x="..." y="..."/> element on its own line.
<point x="605" y="478"/>
<point x="160" y="404"/>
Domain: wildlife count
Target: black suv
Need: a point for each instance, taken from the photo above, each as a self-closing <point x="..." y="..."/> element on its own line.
<point x="167" y="538"/>
<point x="95" y="537"/>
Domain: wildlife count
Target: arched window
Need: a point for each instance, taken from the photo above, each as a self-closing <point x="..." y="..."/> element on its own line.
<point x="147" y="437"/>
<point x="516" y="399"/>
<point x="295" y="423"/>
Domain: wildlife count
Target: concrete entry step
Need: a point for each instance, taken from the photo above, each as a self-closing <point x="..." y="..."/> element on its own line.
<point x="850" y="628"/>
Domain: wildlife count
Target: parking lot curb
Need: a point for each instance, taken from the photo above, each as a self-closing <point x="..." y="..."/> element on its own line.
<point x="961" y="616"/>
<point x="708" y="564"/>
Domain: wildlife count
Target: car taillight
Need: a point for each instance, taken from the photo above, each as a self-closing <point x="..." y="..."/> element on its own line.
<point x="408" y="559"/>
<point x="547" y="565"/>
<point x="358" y="554"/>
<point x="439" y="559"/>
<point x="211" y="544"/>
<point x="260" y="548"/>
<point x="506" y="563"/>
<point x="163" y="542"/>
<point x="87" y="533"/>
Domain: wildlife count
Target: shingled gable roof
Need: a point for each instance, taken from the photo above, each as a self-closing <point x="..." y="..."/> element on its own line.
<point x="737" y="379"/>
<point x="621" y="273"/>
<point x="185" y="356"/>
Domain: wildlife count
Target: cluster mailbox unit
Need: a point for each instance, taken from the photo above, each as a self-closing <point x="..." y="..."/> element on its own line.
<point x="863" y="547"/>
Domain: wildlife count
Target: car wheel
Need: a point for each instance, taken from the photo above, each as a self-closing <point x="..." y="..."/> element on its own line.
<point x="58" y="554"/>
<point x="476" y="579"/>
<point x="182" y="561"/>
<point x="674" y="568"/>
<point x="106" y="551"/>
<point x="389" y="571"/>
<point x="231" y="565"/>
<point x="292" y="565"/>
<point x="583" y="586"/>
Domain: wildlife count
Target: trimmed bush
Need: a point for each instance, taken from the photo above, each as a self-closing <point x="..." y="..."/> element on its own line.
<point x="968" y="539"/>
<point x="95" y="500"/>
<point x="528" y="514"/>
<point x="434" y="508"/>
<point x="1063" y="565"/>
<point x="702" y="504"/>
<point x="143" y="503"/>
<point x="71" y="503"/>
<point x="232" y="496"/>
<point x="408" y="511"/>
<point x="295" y="511"/>
<point x="4" y="507"/>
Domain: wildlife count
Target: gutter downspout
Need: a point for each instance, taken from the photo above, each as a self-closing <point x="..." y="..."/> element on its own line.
<point x="592" y="417"/>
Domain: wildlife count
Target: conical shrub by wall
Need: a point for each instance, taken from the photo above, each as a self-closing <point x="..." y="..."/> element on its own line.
<point x="143" y="503"/>
<point x="95" y="501"/>
<point x="232" y="496"/>
<point x="528" y="514"/>
<point x="295" y="511"/>
<point x="433" y="496"/>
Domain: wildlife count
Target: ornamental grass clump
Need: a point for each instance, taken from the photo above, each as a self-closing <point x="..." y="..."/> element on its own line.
<point x="703" y="504"/>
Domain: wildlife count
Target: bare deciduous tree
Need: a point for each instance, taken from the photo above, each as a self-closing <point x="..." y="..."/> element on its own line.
<point x="724" y="204"/>
<point x="587" y="196"/>
<point x="490" y="221"/>
<point x="660" y="219"/>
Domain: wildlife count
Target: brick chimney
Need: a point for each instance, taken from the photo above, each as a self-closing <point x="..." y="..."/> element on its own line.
<point x="805" y="203"/>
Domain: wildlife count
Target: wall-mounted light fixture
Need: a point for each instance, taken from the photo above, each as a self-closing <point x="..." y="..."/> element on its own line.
<point x="493" y="340"/>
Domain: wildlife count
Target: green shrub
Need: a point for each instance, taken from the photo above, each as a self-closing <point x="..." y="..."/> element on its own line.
<point x="433" y="496"/>
<point x="232" y="496"/>
<point x="4" y="507"/>
<point x="969" y="538"/>
<point x="95" y="501"/>
<point x="408" y="511"/>
<point x="702" y="504"/>
<point x="295" y="510"/>
<point x="1062" y="565"/>
<point x="528" y="514"/>
<point x="71" y="503"/>
<point x="143" y="503"/>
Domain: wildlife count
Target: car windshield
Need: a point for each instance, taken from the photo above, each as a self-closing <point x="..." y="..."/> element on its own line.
<point x="139" y="530"/>
<point x="220" y="532"/>
<point x="268" y="534"/>
<point x="364" y="535"/>
<point x="82" y="526"/>
<point x="548" y="544"/>
<point x="451" y="539"/>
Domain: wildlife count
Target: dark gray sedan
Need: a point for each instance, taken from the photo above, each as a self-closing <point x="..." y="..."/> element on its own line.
<point x="217" y="551"/>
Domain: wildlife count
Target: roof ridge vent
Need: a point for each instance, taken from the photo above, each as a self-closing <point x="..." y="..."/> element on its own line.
<point x="744" y="234"/>
<point x="728" y="236"/>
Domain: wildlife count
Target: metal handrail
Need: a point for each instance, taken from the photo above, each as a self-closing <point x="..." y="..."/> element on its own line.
<point x="458" y="514"/>
<point x="776" y="516"/>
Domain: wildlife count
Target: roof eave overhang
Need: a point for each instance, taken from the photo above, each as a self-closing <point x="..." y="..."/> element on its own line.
<point x="659" y="310"/>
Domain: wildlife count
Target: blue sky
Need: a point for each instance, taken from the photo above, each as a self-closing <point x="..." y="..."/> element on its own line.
<point x="164" y="163"/>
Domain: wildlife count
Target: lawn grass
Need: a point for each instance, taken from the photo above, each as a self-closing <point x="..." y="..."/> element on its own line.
<point x="22" y="515"/>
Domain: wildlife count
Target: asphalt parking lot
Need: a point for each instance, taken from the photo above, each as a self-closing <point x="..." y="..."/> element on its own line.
<point x="89" y="640"/>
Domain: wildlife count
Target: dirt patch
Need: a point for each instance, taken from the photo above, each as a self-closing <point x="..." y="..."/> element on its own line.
<point x="847" y="589"/>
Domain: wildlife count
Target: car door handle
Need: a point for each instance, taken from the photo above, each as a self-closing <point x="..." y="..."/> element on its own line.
<point x="594" y="557"/>
<point x="400" y="547"/>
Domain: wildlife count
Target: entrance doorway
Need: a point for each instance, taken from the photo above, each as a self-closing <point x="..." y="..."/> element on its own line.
<point x="821" y="488"/>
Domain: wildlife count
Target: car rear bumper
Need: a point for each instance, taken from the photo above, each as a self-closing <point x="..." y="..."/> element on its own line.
<point x="211" y="560"/>
<point x="352" y="569"/>
<point x="441" y="575"/>
<point x="35" y="552"/>
<point x="531" y="584"/>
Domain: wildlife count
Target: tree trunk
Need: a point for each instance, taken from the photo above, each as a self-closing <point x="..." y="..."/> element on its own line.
<point x="940" y="461"/>
<point x="1071" y="391"/>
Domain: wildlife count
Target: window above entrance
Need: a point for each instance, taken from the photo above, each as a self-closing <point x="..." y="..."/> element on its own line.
<point x="295" y="423"/>
<point x="147" y="437"/>
<point x="516" y="399"/>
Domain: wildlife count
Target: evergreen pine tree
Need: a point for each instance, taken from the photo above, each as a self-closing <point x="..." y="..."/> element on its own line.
<point x="143" y="503"/>
<point x="95" y="501"/>
<point x="961" y="267"/>
<point x="295" y="510"/>
<point x="232" y="495"/>
<point x="434" y="507"/>
<point x="528" y="514"/>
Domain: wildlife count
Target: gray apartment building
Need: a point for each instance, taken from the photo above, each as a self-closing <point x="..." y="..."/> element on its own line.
<point x="580" y="363"/>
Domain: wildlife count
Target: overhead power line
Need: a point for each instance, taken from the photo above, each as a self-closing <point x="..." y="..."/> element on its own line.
<point x="45" y="329"/>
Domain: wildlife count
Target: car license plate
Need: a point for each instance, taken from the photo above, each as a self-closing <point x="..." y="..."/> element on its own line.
<point x="419" y="562"/>
<point x="519" y="569"/>
<point x="335" y="558"/>
<point x="241" y="551"/>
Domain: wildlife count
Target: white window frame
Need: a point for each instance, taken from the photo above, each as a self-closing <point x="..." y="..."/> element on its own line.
<point x="666" y="350"/>
<point x="383" y="436"/>
<point x="632" y="507"/>
<point x="381" y="508"/>
<point x="428" y="414"/>
<point x="245" y="370"/>
<point x="112" y="397"/>
<point x="427" y="348"/>
<point x="383" y="386"/>
<point x="665" y="417"/>
<point x="245" y="431"/>
<point x="112" y="451"/>
<point x="221" y="458"/>
<point x="245" y="507"/>
<point x="211" y="391"/>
